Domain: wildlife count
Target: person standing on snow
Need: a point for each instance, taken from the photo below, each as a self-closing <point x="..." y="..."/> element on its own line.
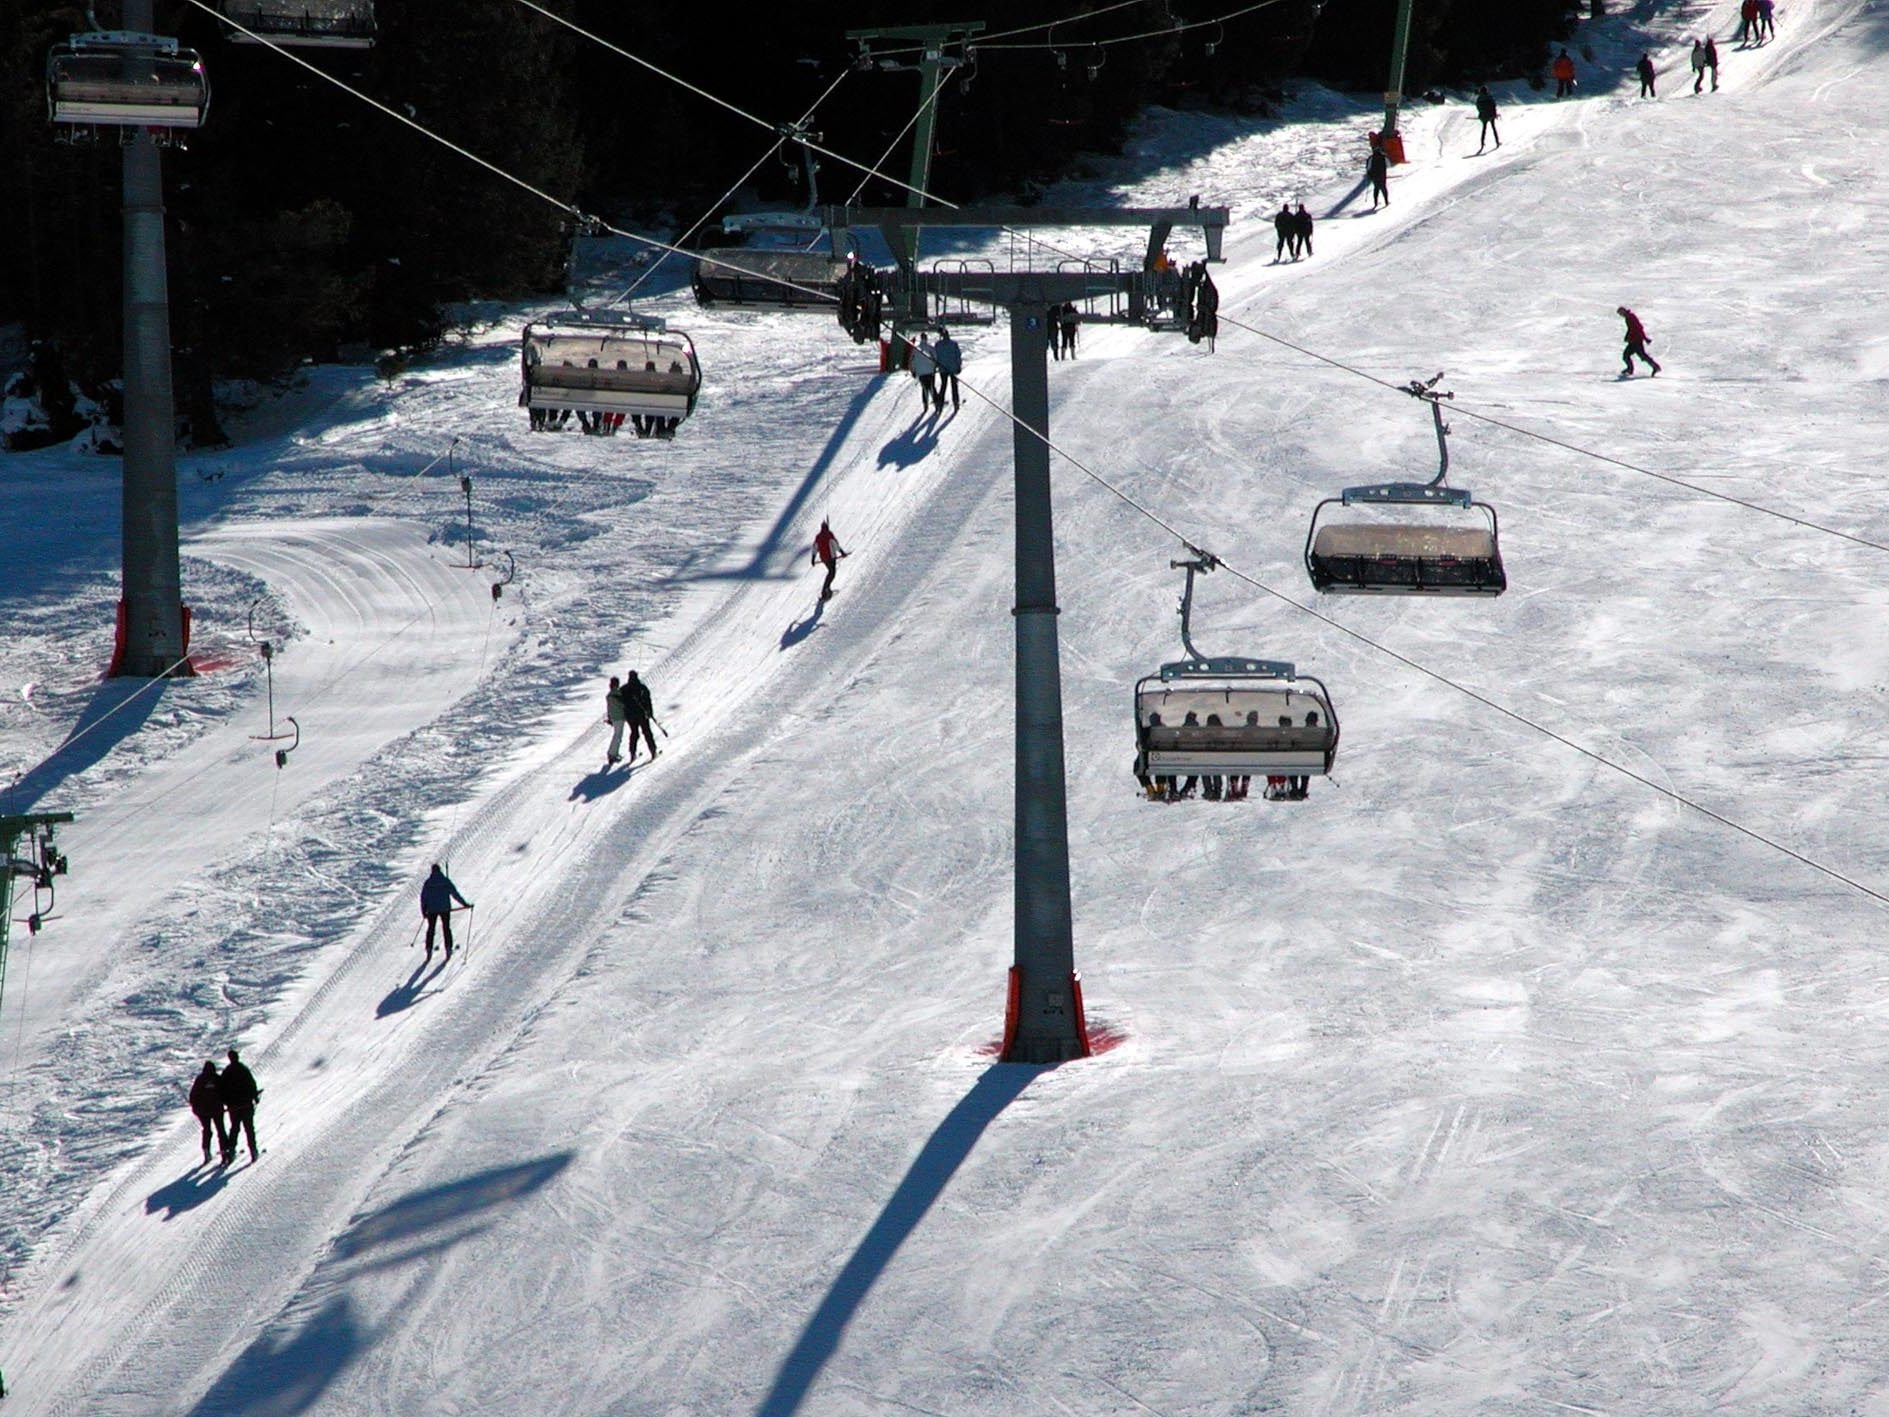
<point x="950" y="364"/>
<point x="1637" y="338"/>
<point x="1486" y="113"/>
<point x="237" y="1087"/>
<point x="1698" y="66"/>
<point x="827" y="552"/>
<point x="1647" y="73"/>
<point x="206" y="1101"/>
<point x="1748" y="22"/>
<point x="1711" y="60"/>
<point x="1767" y="19"/>
<point x="437" y="894"/>
<point x="1563" y="71"/>
<point x="614" y="715"/>
<point x="640" y="710"/>
<point x="924" y="368"/>
<point x="1282" y="223"/>
<point x="1302" y="225"/>
<point x="1378" y="168"/>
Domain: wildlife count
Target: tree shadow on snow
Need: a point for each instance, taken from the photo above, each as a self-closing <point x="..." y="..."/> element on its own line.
<point x="187" y="1192"/>
<point x="409" y="992"/>
<point x="800" y="629"/>
<point x="931" y="1171"/>
<point x="117" y="711"/>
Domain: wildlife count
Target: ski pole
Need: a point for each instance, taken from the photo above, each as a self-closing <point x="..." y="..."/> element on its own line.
<point x="658" y="722"/>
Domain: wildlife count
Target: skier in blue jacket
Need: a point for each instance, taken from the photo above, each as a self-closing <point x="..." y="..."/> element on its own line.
<point x="437" y="895"/>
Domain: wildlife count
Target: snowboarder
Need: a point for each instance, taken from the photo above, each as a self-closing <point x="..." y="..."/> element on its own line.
<point x="1647" y="74"/>
<point x="1698" y="66"/>
<point x="1282" y="223"/>
<point x="1563" y="71"/>
<point x="206" y="1101"/>
<point x="924" y="368"/>
<point x="1378" y="168"/>
<point x="1637" y="339"/>
<point x="614" y="715"/>
<point x="950" y="364"/>
<point x="640" y="710"/>
<point x="1302" y="225"/>
<point x="1711" y="60"/>
<point x="237" y="1087"/>
<point x="437" y="894"/>
<point x="1486" y="114"/>
<point x="827" y="552"/>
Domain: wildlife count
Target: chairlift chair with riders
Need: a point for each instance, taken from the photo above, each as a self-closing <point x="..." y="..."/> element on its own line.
<point x="1424" y="555"/>
<point x="607" y="367"/>
<point x="312" y="24"/>
<point x="1224" y="718"/>
<point x="122" y="79"/>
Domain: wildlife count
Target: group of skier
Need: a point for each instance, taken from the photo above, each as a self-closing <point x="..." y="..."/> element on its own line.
<point x="1294" y="229"/>
<point x="626" y="704"/>
<point x="936" y="367"/>
<point x="225" y="1107"/>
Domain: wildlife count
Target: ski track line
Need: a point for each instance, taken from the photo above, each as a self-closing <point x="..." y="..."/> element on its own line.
<point x="259" y="1223"/>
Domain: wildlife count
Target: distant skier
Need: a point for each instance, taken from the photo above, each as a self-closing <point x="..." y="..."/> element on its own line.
<point x="1302" y="226"/>
<point x="1698" y="67"/>
<point x="950" y="364"/>
<point x="1282" y="224"/>
<point x="1767" y="19"/>
<point x="1486" y="114"/>
<point x="827" y="552"/>
<point x="1637" y="339"/>
<point x="1748" y="22"/>
<point x="1068" y="323"/>
<point x="924" y="368"/>
<point x="1378" y="168"/>
<point x="206" y="1101"/>
<point x="1647" y="74"/>
<point x="640" y="710"/>
<point x="1711" y="60"/>
<point x="437" y="894"/>
<point x="237" y="1087"/>
<point x="614" y="715"/>
<point x="1563" y="71"/>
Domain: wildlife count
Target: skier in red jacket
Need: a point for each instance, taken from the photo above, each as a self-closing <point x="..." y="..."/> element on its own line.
<point x="1636" y="343"/>
<point x="827" y="551"/>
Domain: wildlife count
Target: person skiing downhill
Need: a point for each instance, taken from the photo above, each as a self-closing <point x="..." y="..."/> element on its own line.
<point x="614" y="715"/>
<point x="1486" y="114"/>
<point x="237" y="1087"/>
<point x="1637" y="338"/>
<point x="206" y="1101"/>
<point x="827" y="552"/>
<point x="640" y="710"/>
<point x="437" y="895"/>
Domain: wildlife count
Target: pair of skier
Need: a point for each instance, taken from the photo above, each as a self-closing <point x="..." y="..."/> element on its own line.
<point x="1294" y="229"/>
<point x="226" y="1103"/>
<point x="627" y="704"/>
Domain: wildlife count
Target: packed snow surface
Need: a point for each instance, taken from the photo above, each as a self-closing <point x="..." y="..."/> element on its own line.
<point x="1535" y="1063"/>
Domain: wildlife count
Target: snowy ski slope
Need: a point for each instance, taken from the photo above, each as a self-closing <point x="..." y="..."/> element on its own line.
<point x="1495" y="1078"/>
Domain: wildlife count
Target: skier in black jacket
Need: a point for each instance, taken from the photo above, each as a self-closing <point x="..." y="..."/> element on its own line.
<point x="237" y="1087"/>
<point x="640" y="711"/>
<point x="206" y="1100"/>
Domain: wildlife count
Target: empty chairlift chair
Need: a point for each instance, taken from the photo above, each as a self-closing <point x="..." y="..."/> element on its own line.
<point x="313" y="24"/>
<point x="1225" y="720"/>
<point x="125" y="80"/>
<point x="1447" y="544"/>
<point x="607" y="370"/>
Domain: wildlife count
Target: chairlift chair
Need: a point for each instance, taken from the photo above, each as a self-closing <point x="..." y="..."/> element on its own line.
<point x="617" y="365"/>
<point x="757" y="278"/>
<point x="1230" y="717"/>
<point x="313" y="24"/>
<point x="1420" y="555"/>
<point x="118" y="78"/>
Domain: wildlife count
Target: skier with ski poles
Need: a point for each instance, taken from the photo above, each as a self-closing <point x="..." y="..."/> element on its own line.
<point x="437" y="894"/>
<point x="640" y="711"/>
<point x="827" y="552"/>
<point x="237" y="1087"/>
